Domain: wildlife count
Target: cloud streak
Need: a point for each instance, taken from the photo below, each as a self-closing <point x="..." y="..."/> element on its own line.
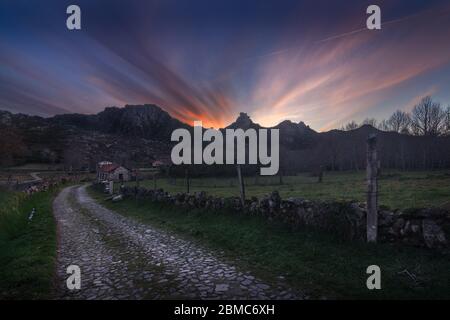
<point x="210" y="65"/>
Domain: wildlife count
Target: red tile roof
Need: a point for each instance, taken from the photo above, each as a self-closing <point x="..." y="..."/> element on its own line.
<point x="109" y="167"/>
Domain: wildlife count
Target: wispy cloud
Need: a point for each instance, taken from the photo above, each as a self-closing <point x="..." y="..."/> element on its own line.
<point x="274" y="64"/>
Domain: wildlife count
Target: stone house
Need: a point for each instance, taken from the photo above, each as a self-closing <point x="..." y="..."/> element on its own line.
<point x="113" y="172"/>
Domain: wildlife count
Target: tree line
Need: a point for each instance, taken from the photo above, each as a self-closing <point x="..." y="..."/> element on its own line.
<point x="427" y="118"/>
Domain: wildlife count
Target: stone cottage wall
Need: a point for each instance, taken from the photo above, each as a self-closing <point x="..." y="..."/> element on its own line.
<point x="429" y="227"/>
<point x="115" y="175"/>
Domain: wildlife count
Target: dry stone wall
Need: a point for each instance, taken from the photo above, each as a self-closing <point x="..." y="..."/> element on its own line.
<point x="428" y="227"/>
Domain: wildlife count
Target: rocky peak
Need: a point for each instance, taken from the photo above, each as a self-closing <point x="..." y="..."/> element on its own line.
<point x="144" y="121"/>
<point x="292" y="127"/>
<point x="142" y="116"/>
<point x="243" y="122"/>
<point x="147" y="121"/>
<point x="301" y="124"/>
<point x="286" y="124"/>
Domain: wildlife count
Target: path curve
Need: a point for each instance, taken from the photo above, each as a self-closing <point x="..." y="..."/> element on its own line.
<point x="121" y="258"/>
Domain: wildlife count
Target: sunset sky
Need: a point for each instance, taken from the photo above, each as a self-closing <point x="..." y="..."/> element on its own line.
<point x="211" y="59"/>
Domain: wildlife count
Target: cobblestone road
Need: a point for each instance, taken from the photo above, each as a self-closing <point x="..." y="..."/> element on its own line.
<point x="120" y="258"/>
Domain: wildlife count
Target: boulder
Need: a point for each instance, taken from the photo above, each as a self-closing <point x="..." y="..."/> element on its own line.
<point x="117" y="198"/>
<point x="433" y="235"/>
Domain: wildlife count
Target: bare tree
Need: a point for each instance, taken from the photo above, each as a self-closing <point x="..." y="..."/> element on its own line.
<point x="399" y="122"/>
<point x="370" y="121"/>
<point x="384" y="125"/>
<point x="427" y="118"/>
<point x="447" y="121"/>
<point x="350" y="126"/>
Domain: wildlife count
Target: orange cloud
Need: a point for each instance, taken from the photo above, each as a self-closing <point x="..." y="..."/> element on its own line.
<point x="328" y="85"/>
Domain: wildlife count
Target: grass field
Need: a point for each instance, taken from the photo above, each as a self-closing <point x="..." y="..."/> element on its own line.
<point x="318" y="264"/>
<point x="397" y="189"/>
<point x="27" y="248"/>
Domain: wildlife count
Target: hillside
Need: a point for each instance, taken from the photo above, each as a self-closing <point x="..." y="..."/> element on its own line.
<point x="137" y="135"/>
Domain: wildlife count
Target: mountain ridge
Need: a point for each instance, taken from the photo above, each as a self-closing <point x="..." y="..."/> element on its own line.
<point x="114" y="117"/>
<point x="136" y="135"/>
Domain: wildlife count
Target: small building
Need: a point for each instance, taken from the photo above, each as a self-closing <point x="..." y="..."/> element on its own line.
<point x="162" y="162"/>
<point x="113" y="172"/>
<point x="157" y="163"/>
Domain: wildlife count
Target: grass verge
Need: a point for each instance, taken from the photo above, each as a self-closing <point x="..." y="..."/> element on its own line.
<point x="27" y="248"/>
<point x="316" y="263"/>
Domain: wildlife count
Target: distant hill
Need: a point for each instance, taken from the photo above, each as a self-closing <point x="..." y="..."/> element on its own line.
<point x="146" y="121"/>
<point x="137" y="135"/>
<point x="134" y="135"/>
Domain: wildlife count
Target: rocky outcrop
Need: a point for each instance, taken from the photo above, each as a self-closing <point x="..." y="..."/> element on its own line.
<point x="81" y="141"/>
<point x="137" y="121"/>
<point x="429" y="228"/>
<point x="243" y="121"/>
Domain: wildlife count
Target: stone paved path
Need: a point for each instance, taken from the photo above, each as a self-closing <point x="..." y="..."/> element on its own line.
<point x="120" y="258"/>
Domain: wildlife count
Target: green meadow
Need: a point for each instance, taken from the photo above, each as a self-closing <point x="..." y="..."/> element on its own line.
<point x="398" y="190"/>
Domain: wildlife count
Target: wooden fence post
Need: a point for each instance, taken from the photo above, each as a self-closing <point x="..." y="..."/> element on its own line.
<point x="137" y="178"/>
<point x="241" y="185"/>
<point x="111" y="187"/>
<point x="187" y="180"/>
<point x="320" y="176"/>
<point x="154" y="181"/>
<point x="372" y="189"/>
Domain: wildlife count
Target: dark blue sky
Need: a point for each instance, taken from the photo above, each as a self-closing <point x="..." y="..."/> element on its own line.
<point x="210" y="60"/>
